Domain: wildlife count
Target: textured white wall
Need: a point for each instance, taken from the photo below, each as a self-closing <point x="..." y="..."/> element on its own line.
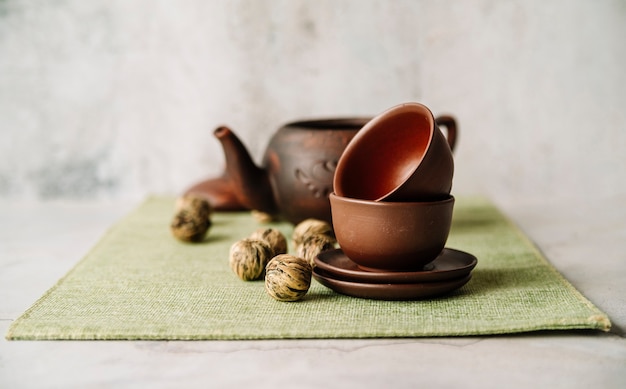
<point x="118" y="99"/>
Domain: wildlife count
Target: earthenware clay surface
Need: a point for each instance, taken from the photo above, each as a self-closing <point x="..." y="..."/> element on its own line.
<point x="413" y="291"/>
<point x="450" y="264"/>
<point x="391" y="236"/>
<point x="298" y="167"/>
<point x="219" y="192"/>
<point x="400" y="155"/>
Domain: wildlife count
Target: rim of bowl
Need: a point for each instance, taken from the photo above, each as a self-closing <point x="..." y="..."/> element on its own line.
<point x="449" y="198"/>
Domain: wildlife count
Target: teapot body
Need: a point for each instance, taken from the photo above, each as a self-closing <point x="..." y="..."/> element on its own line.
<point x="300" y="162"/>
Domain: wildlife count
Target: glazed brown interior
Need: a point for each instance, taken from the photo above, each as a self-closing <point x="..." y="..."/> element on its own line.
<point x="384" y="155"/>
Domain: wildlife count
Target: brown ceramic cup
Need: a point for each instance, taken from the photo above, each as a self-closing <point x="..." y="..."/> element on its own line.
<point x="400" y="155"/>
<point x="391" y="236"/>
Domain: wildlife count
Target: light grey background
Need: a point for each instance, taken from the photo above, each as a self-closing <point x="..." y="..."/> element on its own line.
<point x="118" y="99"/>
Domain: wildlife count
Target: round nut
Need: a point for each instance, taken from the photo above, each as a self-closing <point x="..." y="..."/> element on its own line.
<point x="248" y="258"/>
<point x="287" y="277"/>
<point x="313" y="245"/>
<point x="192" y="218"/>
<point x="311" y="227"/>
<point x="194" y="202"/>
<point x="274" y="238"/>
<point x="262" y="217"/>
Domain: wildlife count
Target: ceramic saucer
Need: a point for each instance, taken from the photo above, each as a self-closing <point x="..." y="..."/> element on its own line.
<point x="414" y="291"/>
<point x="450" y="264"/>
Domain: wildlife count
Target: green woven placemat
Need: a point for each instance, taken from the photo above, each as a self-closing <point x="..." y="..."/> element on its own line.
<point x="140" y="283"/>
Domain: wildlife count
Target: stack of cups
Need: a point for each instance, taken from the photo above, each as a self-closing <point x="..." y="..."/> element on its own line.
<point x="391" y="206"/>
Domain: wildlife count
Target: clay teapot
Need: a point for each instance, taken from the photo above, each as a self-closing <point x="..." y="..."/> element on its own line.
<point x="297" y="170"/>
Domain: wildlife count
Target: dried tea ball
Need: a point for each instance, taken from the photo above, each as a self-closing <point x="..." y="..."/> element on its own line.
<point x="313" y="245"/>
<point x="287" y="277"/>
<point x="273" y="237"/>
<point x="248" y="258"/>
<point x="193" y="201"/>
<point x="192" y="218"/>
<point x="310" y="227"/>
<point x="262" y="217"/>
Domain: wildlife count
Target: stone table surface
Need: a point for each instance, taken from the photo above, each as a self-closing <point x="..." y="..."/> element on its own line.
<point x="585" y="241"/>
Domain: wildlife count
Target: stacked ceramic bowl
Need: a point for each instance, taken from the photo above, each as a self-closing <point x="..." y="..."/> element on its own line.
<point x="392" y="211"/>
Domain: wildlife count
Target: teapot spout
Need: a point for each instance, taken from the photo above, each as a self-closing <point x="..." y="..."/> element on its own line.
<point x="250" y="183"/>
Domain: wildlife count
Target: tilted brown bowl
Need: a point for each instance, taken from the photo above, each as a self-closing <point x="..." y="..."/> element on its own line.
<point x="391" y="236"/>
<point x="400" y="155"/>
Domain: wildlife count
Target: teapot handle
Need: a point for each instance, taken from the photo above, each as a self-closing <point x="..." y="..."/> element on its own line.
<point x="450" y="124"/>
